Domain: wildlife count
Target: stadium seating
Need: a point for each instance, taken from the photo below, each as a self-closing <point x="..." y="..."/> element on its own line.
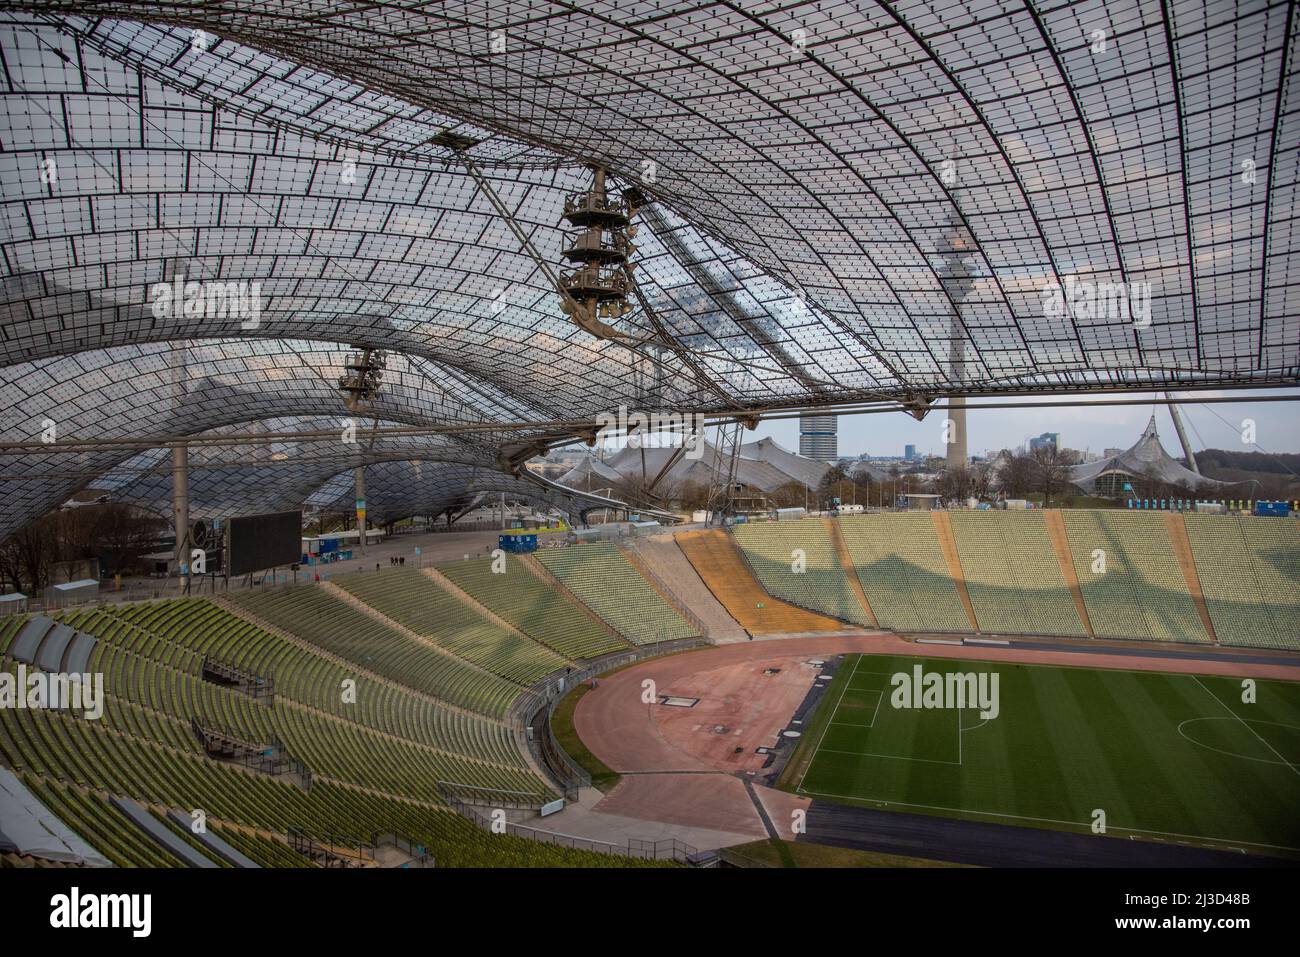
<point x="102" y="825"/>
<point x="536" y="609"/>
<point x="51" y="750"/>
<point x="1013" y="575"/>
<point x="413" y="599"/>
<point x="608" y="584"/>
<point x="903" y="573"/>
<point x="717" y="559"/>
<point x="822" y="585"/>
<point x="10" y="625"/>
<point x="1247" y="566"/>
<point x="367" y="776"/>
<point x="152" y="700"/>
<point x="1274" y="546"/>
<point x="1142" y="592"/>
<point x="315" y="616"/>
<point x="309" y="679"/>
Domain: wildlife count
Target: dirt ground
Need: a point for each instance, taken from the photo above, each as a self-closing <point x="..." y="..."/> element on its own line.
<point x="689" y="765"/>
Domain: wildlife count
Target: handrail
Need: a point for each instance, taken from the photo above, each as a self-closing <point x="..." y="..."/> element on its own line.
<point x="253" y="685"/>
<point x="522" y="800"/>
<point x="420" y="858"/>
<point x="316" y="845"/>
<point x="269" y="757"/>
<point x="678" y="605"/>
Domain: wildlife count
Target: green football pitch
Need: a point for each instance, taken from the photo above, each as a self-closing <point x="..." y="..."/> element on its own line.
<point x="1164" y="757"/>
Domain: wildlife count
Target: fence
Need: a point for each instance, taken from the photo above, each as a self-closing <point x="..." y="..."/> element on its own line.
<point x="666" y="849"/>
<point x="236" y="678"/>
<point x="419" y="857"/>
<point x="532" y="711"/>
<point x="331" y="850"/>
<point x="667" y="593"/>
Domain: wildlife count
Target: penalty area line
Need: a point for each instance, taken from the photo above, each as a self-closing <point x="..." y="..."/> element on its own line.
<point x="816" y="750"/>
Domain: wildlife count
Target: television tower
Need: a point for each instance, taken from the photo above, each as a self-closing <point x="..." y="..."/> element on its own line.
<point x="956" y="249"/>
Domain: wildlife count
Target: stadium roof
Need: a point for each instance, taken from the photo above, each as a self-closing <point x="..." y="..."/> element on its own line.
<point x="811" y="167"/>
<point x="762" y="465"/>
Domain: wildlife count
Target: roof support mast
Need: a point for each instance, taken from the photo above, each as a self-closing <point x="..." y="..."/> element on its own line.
<point x="1182" y="435"/>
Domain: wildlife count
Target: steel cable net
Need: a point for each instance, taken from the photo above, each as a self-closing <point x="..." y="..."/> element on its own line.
<point x="1123" y="175"/>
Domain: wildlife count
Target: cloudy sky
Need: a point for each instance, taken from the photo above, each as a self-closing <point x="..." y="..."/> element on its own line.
<point x="1209" y="425"/>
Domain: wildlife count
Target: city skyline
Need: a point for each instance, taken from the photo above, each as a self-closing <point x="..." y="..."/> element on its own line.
<point x="1086" y="427"/>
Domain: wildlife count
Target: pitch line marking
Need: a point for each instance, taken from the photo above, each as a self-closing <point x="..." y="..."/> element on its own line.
<point x="875" y="713"/>
<point x="1231" y="754"/>
<point x="857" y="661"/>
<point x="1246" y="726"/>
<point x="887" y="757"/>
<point x="1045" y="820"/>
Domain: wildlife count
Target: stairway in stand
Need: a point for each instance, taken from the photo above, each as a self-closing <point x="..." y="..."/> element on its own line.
<point x="1056" y="531"/>
<point x="723" y="569"/>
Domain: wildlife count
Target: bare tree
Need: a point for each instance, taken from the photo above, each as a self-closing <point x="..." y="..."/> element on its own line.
<point x="1050" y="470"/>
<point x="1017" y="475"/>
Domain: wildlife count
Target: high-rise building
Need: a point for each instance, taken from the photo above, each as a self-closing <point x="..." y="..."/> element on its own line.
<point x="817" y="437"/>
<point x="1046" y="440"/>
<point x="909" y="453"/>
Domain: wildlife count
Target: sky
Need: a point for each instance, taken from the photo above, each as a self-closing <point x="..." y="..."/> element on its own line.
<point x="1087" y="426"/>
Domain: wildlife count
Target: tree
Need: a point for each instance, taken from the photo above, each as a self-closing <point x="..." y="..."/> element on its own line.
<point x="790" y="495"/>
<point x="951" y="484"/>
<point x="692" y="495"/>
<point x="835" y="475"/>
<point x="963" y="482"/>
<point x="1017" y="474"/>
<point x="1050" y="470"/>
<point x="120" y="535"/>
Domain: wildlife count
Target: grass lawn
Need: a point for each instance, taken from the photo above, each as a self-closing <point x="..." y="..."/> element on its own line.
<point x="1165" y="757"/>
<point x="602" y="778"/>
<point x="774" y="853"/>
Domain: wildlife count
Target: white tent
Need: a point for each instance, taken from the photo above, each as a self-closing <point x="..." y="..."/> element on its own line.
<point x="1146" y="457"/>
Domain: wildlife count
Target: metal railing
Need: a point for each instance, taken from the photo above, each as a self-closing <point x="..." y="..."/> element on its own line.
<point x="454" y="792"/>
<point x="270" y="757"/>
<point x="238" y="679"/>
<point x="666" y="849"/>
<point x="332" y="850"/>
<point x="535" y="707"/>
<point x="640" y="564"/>
<point x="419" y="857"/>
